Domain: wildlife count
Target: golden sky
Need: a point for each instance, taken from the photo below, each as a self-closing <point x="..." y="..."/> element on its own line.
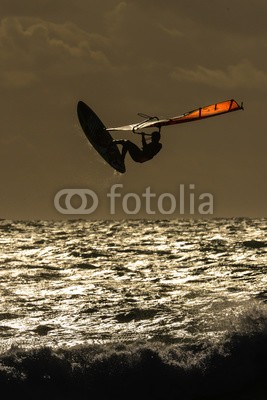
<point x="123" y="57"/>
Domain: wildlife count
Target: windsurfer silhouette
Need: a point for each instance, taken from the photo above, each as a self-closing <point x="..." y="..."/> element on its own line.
<point x="148" y="151"/>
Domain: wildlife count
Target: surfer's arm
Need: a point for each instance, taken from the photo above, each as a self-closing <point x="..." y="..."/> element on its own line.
<point x="144" y="143"/>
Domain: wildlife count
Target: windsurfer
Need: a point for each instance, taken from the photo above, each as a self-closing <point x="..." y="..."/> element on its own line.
<point x="148" y="151"/>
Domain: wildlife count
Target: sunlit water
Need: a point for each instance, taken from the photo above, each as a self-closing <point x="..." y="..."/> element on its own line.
<point x="64" y="283"/>
<point x="178" y="283"/>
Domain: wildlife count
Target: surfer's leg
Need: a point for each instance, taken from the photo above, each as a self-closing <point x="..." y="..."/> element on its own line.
<point x="132" y="148"/>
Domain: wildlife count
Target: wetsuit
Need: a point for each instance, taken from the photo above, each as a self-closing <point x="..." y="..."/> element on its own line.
<point x="148" y="151"/>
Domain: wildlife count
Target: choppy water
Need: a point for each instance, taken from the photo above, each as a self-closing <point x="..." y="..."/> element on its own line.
<point x="165" y="303"/>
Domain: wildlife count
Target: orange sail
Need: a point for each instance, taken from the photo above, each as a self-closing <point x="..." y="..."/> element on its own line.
<point x="206" y="112"/>
<point x="194" y="115"/>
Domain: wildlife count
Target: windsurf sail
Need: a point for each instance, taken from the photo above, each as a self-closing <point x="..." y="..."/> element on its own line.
<point x="212" y="110"/>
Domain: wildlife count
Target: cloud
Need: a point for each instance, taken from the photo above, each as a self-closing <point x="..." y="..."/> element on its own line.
<point x="115" y="16"/>
<point x="241" y="75"/>
<point x="31" y="48"/>
<point x="173" y="32"/>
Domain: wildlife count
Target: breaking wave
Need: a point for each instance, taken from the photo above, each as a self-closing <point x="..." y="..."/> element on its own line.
<point x="234" y="369"/>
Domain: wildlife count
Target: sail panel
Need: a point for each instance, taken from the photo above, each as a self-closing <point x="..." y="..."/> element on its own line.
<point x="194" y="115"/>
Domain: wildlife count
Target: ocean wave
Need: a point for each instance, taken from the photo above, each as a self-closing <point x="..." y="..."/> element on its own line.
<point x="254" y="244"/>
<point x="235" y="370"/>
<point x="154" y="310"/>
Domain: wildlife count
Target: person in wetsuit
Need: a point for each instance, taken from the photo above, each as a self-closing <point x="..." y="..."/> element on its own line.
<point x="148" y="151"/>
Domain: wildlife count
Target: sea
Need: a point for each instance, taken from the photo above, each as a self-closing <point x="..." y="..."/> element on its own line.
<point x="145" y="309"/>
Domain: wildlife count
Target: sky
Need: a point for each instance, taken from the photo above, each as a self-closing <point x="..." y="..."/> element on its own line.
<point x="123" y="57"/>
